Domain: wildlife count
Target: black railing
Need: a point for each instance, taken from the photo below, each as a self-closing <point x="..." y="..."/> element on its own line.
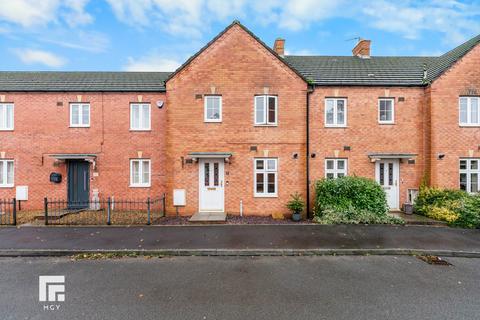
<point x="8" y="212"/>
<point x="109" y="211"/>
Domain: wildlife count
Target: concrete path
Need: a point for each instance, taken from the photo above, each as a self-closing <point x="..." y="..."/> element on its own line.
<point x="243" y="239"/>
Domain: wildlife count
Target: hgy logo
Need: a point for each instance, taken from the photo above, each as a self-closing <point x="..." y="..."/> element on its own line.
<point x="51" y="288"/>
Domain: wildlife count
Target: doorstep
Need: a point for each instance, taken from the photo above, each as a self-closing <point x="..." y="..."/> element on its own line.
<point x="209" y="217"/>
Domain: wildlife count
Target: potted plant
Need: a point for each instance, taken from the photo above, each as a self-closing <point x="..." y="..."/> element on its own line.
<point x="296" y="206"/>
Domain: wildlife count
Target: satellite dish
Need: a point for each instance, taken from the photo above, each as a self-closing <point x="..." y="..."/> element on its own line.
<point x="160" y="104"/>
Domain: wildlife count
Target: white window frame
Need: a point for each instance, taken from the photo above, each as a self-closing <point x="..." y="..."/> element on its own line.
<point x="468" y="171"/>
<point x="265" y="171"/>
<point x="141" y="184"/>
<point x="141" y="121"/>
<point x="3" y="111"/>
<point x="5" y="184"/>
<point x="335" y="171"/>
<point x="265" y="108"/>
<point x="205" y="119"/>
<point x="80" y="123"/>
<point x="335" y="123"/>
<point x="470" y="122"/>
<point x="392" y="121"/>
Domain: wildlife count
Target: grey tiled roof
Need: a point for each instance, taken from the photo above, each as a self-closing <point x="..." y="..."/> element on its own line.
<point x="83" y="81"/>
<point x="342" y="70"/>
<point x="401" y="71"/>
<point x="442" y="63"/>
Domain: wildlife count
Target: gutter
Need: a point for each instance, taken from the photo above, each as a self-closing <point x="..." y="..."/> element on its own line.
<point x="310" y="90"/>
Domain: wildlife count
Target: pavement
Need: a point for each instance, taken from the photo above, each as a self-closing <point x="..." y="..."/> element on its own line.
<point x="228" y="288"/>
<point x="242" y="240"/>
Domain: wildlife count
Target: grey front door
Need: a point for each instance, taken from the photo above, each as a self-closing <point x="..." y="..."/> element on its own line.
<point x="78" y="183"/>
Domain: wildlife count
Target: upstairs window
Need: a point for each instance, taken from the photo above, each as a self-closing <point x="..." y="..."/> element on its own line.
<point x="266" y="110"/>
<point x="6" y="116"/>
<point x="140" y="173"/>
<point x="140" y="116"/>
<point x="469" y="111"/>
<point x="335" y="112"/>
<point x="335" y="168"/>
<point x="386" y="112"/>
<point x="213" y="109"/>
<point x="79" y="115"/>
<point x="6" y="173"/>
<point x="265" y="178"/>
<point x="469" y="173"/>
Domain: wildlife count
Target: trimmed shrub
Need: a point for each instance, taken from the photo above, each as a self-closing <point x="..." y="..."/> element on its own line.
<point x="351" y="200"/>
<point x="355" y="216"/>
<point x="456" y="207"/>
<point x="350" y="192"/>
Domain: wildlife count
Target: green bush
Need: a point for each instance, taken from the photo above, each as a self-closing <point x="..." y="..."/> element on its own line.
<point x="350" y="192"/>
<point x="457" y="207"/>
<point x="355" y="216"/>
<point x="351" y="200"/>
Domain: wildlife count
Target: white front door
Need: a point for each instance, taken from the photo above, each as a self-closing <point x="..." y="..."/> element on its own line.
<point x="211" y="192"/>
<point x="387" y="175"/>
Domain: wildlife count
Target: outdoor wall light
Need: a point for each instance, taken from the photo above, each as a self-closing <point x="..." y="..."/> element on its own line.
<point x="441" y="156"/>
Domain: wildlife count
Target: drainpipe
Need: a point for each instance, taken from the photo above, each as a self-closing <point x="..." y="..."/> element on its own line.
<point x="309" y="91"/>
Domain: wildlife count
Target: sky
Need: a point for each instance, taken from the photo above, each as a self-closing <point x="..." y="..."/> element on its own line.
<point x="159" y="35"/>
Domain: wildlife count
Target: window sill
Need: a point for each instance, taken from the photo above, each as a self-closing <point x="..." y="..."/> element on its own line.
<point x="265" y="125"/>
<point x="82" y="127"/>
<point x="139" y="186"/>
<point x="335" y="127"/>
<point x="7" y="186"/>
<point x="212" y="121"/>
<point x="265" y="196"/>
<point x="6" y="130"/>
<point x="140" y="130"/>
<point x="469" y="125"/>
<point x="386" y="123"/>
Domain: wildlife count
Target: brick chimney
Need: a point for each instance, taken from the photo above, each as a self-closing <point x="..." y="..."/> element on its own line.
<point x="279" y="46"/>
<point x="362" y="49"/>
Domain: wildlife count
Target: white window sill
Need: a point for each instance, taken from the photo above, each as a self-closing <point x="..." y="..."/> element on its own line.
<point x="140" y="186"/>
<point x="335" y="126"/>
<point x="265" y="125"/>
<point x="76" y="126"/>
<point x="386" y="122"/>
<point x="212" y="121"/>
<point x="5" y="186"/>
<point x="140" y="130"/>
<point x="6" y="129"/>
<point x="464" y="125"/>
<point x="266" y="195"/>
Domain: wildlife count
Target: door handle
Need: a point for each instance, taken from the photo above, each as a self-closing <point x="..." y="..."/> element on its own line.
<point x="221" y="183"/>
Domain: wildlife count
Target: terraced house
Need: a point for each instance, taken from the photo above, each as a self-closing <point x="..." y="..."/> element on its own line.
<point x="241" y="126"/>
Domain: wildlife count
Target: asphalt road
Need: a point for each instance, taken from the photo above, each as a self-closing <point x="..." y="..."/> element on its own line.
<point x="346" y="287"/>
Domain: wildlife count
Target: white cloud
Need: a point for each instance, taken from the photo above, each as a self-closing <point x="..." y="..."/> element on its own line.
<point x="454" y="19"/>
<point x="33" y="56"/>
<point x="28" y="13"/>
<point x="81" y="40"/>
<point x="32" y="13"/>
<point x="152" y="63"/>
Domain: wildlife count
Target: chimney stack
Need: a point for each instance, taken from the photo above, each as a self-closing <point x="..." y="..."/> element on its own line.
<point x="362" y="49"/>
<point x="279" y="46"/>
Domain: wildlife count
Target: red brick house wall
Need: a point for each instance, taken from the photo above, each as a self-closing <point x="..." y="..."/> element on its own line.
<point x="237" y="67"/>
<point x="447" y="136"/>
<point x="364" y="134"/>
<point x="42" y="128"/>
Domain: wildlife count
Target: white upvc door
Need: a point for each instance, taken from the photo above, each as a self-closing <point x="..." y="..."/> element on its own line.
<point x="387" y="175"/>
<point x="211" y="185"/>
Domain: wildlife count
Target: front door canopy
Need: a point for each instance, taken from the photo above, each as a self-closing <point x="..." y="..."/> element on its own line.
<point x="378" y="156"/>
<point x="210" y="155"/>
<point x="74" y="156"/>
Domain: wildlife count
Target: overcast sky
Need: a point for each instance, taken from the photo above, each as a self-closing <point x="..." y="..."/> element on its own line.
<point x="153" y="35"/>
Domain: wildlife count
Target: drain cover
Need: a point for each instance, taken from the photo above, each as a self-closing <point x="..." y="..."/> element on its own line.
<point x="434" y="260"/>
